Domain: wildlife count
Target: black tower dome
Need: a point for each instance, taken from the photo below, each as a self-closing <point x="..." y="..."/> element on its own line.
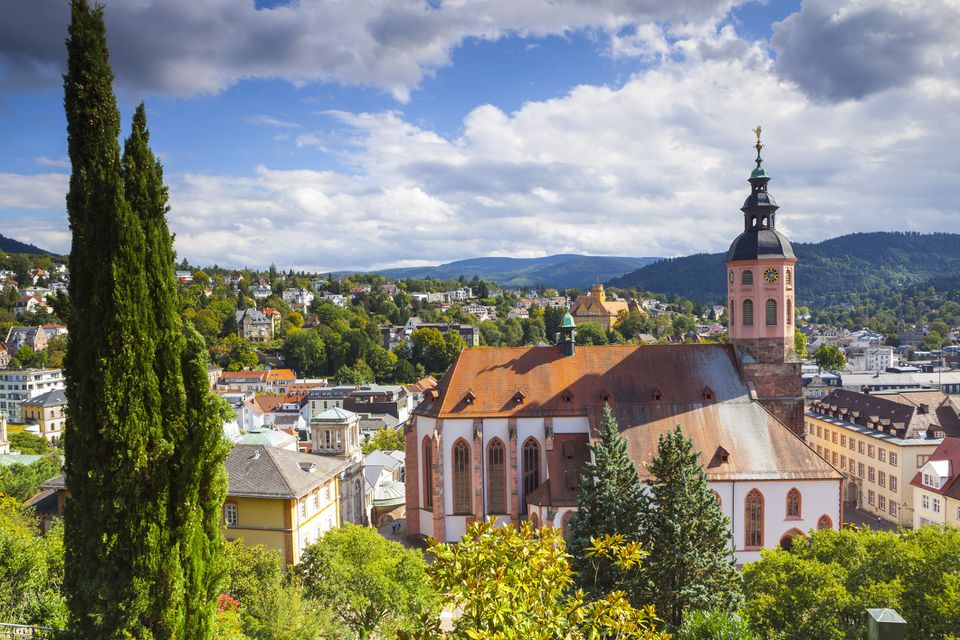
<point x="759" y="239"/>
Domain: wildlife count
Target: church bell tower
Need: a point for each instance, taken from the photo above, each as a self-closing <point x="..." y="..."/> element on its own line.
<point x="761" y="285"/>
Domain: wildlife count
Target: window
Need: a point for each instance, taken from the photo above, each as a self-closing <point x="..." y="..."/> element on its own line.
<point x="936" y="505"/>
<point x="893" y="459"/>
<point x="826" y="434"/>
<point x="958" y="513"/>
<point x="882" y="479"/>
<point x="819" y="431"/>
<point x="871" y="474"/>
<point x="922" y="460"/>
<point x="925" y="501"/>
<point x="882" y="503"/>
<point x="929" y="481"/>
<point x="789" y="311"/>
<point x="732" y="309"/>
<point x="746" y="277"/>
<point x="754" y="519"/>
<point x="824" y="522"/>
<point x="870" y="451"/>
<point x="893" y="483"/>
<point x="496" y="477"/>
<point x="748" y="312"/>
<point x="461" y="476"/>
<point x="565" y="524"/>
<point x="316" y="500"/>
<point x="882" y="454"/>
<point x="861" y="446"/>
<point x="843" y="462"/>
<point x="871" y="497"/>
<point x="231" y="514"/>
<point x="834" y="457"/>
<point x="303" y="507"/>
<point x="819" y="450"/>
<point x="531" y="468"/>
<point x="843" y="440"/>
<point x="793" y="504"/>
<point x="833" y="436"/>
<point x="860" y="469"/>
<point x="893" y="507"/>
<point x="427" y="473"/>
<point x="771" y="312"/>
<point x="853" y="444"/>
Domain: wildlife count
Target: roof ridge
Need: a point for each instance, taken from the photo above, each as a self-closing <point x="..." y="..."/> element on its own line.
<point x="276" y="463"/>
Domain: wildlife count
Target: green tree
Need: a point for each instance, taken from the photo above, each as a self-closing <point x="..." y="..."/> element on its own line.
<point x="552" y="318"/>
<point x="690" y="565"/>
<point x="368" y="581"/>
<point x="430" y="349"/>
<point x="23" y="480"/>
<point x="610" y="502"/>
<point x="800" y="343"/>
<point x="829" y="358"/>
<point x="304" y="351"/>
<point x="514" y="583"/>
<point x="384" y="440"/>
<point x="714" y="625"/>
<point x="591" y="333"/>
<point x="26" y="442"/>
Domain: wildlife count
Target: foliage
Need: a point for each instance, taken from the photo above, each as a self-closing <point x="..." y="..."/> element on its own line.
<point x="26" y="442"/>
<point x="820" y="588"/>
<point x="145" y="438"/>
<point x="304" y="352"/>
<point x="591" y="333"/>
<point x="384" y="440"/>
<point x="799" y="343"/>
<point x="514" y="583"/>
<point x="31" y="569"/>
<point x="23" y="480"/>
<point x="830" y="358"/>
<point x="685" y="531"/>
<point x="610" y="502"/>
<point x="369" y="582"/>
<point x="716" y="624"/>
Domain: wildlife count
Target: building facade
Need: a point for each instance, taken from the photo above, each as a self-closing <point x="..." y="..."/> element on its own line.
<point x="879" y="441"/>
<point x="26" y="384"/>
<point x="593" y="306"/>
<point x="48" y="412"/>
<point x="936" y="487"/>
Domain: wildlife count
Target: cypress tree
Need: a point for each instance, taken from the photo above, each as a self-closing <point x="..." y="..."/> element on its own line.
<point x="116" y="519"/>
<point x="687" y="535"/>
<point x="609" y="503"/>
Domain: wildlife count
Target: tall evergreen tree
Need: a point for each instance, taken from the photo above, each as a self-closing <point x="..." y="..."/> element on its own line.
<point x="687" y="535"/>
<point x="609" y="503"/>
<point x="145" y="450"/>
<point x="117" y="544"/>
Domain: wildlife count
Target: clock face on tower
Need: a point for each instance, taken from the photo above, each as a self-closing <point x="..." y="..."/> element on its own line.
<point x="770" y="275"/>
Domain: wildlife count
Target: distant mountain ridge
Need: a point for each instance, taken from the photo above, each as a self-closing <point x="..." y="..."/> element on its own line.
<point x="9" y="245"/>
<point x="560" y="271"/>
<point x="826" y="273"/>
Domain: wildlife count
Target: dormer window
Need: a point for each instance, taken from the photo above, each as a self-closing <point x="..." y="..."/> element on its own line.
<point x="657" y="395"/>
<point x="566" y="396"/>
<point x="707" y="394"/>
<point x="604" y="396"/>
<point x="519" y="396"/>
<point x="469" y="397"/>
<point x="722" y="455"/>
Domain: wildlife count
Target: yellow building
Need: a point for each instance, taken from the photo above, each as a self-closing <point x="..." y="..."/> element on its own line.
<point x="48" y="412"/>
<point x="879" y="441"/>
<point x="282" y="499"/>
<point x="593" y="306"/>
<point x="936" y="487"/>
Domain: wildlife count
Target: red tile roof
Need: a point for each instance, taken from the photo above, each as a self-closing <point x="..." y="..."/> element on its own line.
<point x="949" y="450"/>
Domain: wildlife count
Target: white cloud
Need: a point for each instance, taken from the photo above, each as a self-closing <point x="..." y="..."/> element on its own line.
<point x="271" y="121"/>
<point x="38" y="191"/>
<point x="62" y="162"/>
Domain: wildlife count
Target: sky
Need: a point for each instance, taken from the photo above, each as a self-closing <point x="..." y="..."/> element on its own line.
<point x="362" y="134"/>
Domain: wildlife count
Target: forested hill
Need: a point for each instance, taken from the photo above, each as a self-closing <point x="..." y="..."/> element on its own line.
<point x="9" y="245"/>
<point x="827" y="272"/>
<point x="559" y="271"/>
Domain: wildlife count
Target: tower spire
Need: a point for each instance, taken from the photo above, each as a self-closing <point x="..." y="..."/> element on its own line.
<point x="760" y="208"/>
<point x="758" y="146"/>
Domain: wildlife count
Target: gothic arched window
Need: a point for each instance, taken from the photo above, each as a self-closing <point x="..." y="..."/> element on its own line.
<point x="746" y="277"/>
<point x="771" y="311"/>
<point x="793" y="503"/>
<point x="824" y="522"/>
<point x="565" y="523"/>
<point x="461" y="476"/>
<point x="748" y="312"/>
<point x="531" y="468"/>
<point x="753" y="519"/>
<point x="427" y="473"/>
<point x="496" y="477"/>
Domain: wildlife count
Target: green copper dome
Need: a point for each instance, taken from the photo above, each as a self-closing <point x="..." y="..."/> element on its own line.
<point x="567" y="321"/>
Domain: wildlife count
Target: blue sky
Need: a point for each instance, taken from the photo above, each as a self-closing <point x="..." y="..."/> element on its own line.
<point x="359" y="134"/>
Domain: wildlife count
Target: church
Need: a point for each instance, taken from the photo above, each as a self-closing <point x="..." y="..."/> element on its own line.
<point x="505" y="433"/>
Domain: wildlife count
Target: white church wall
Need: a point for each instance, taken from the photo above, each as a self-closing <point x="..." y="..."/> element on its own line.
<point x="571" y="424"/>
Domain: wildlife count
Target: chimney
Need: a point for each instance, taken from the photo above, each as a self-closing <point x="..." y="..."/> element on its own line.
<point x="923" y="408"/>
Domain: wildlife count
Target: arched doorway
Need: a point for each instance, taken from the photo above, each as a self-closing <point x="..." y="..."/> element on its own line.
<point x="786" y="541"/>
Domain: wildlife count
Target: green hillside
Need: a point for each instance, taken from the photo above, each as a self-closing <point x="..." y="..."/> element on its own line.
<point x="560" y="271"/>
<point x="9" y="245"/>
<point x="827" y="272"/>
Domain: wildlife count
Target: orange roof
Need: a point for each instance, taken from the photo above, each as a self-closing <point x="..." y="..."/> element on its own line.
<point x="275" y="375"/>
<point x="652" y="388"/>
<point x="267" y="404"/>
<point x="237" y="375"/>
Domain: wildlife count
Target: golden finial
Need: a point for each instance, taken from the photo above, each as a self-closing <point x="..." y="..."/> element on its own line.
<point x="759" y="145"/>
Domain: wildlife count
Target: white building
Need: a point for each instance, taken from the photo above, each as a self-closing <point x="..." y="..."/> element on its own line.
<point x="872" y="359"/>
<point x="26" y="384"/>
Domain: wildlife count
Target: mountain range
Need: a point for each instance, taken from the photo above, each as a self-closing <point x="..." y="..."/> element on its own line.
<point x="560" y="271"/>
<point x="9" y="245"/>
<point x="827" y="272"/>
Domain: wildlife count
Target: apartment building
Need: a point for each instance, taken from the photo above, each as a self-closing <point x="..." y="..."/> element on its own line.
<point x="879" y="442"/>
<point x="26" y="384"/>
